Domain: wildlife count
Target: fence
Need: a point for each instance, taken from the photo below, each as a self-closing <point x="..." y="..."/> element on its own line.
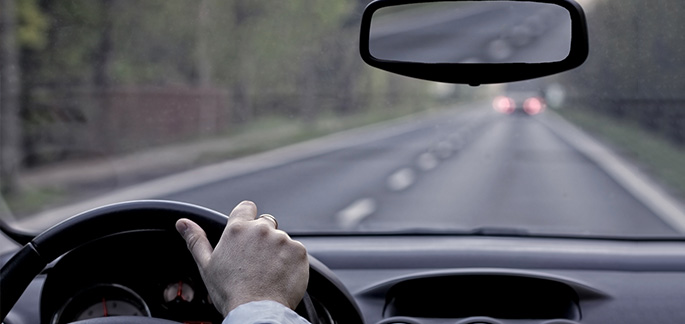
<point x="66" y="123"/>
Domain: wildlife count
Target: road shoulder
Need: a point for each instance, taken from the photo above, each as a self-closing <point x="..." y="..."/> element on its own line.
<point x="636" y="182"/>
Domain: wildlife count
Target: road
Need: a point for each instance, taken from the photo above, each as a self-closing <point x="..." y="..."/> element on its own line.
<point x="460" y="171"/>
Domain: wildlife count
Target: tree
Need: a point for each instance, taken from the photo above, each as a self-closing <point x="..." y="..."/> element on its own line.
<point x="636" y="68"/>
<point x="10" y="87"/>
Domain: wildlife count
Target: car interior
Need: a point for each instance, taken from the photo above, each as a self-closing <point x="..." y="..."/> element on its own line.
<point x="125" y="258"/>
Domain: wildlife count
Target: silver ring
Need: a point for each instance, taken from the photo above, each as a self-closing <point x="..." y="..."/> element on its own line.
<point x="271" y="218"/>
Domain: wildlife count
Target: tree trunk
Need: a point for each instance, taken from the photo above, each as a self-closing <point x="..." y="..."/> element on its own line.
<point x="103" y="53"/>
<point x="308" y="85"/>
<point x="10" y="88"/>
<point x="101" y="78"/>
<point x="204" y="64"/>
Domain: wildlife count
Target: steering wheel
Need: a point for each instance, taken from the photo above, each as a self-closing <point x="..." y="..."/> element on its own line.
<point x="29" y="261"/>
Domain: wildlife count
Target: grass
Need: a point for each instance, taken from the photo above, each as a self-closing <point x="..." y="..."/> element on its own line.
<point x="654" y="153"/>
<point x="29" y="200"/>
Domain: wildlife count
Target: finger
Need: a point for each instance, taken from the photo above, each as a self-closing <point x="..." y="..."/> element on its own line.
<point x="197" y="242"/>
<point x="245" y="211"/>
<point x="268" y="218"/>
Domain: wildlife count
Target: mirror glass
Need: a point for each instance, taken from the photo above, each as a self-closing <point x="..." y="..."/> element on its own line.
<point x="471" y="32"/>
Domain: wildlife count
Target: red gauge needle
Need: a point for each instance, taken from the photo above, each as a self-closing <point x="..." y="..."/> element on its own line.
<point x="104" y="307"/>
<point x="179" y="292"/>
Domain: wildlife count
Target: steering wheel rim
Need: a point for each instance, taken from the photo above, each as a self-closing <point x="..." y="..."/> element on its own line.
<point x="29" y="261"/>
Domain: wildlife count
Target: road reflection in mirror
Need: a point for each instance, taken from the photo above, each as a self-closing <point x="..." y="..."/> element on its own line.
<point x="471" y="32"/>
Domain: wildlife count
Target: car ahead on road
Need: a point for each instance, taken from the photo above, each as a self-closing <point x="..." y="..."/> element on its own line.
<point x="120" y="117"/>
<point x="521" y="103"/>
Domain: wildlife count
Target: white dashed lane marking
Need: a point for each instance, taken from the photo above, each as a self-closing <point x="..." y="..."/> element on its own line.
<point x="427" y="161"/>
<point x="401" y="179"/>
<point x="352" y="215"/>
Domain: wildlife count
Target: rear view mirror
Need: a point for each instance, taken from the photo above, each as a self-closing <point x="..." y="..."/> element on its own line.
<point x="474" y="41"/>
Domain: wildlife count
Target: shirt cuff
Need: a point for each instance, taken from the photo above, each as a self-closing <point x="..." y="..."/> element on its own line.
<point x="263" y="312"/>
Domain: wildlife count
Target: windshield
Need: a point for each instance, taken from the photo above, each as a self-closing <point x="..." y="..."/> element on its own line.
<point x="212" y="102"/>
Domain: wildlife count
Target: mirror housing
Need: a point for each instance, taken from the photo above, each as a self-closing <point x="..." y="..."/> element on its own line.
<point x="456" y="70"/>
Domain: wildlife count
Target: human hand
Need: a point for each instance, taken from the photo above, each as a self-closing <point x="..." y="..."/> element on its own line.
<point x="253" y="261"/>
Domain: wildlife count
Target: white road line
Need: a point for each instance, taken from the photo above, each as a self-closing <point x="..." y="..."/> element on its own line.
<point x="401" y="179"/>
<point x="427" y="161"/>
<point x="629" y="177"/>
<point x="352" y="215"/>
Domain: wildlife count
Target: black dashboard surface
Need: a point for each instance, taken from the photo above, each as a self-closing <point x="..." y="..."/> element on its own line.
<point x="615" y="281"/>
<point x="417" y="279"/>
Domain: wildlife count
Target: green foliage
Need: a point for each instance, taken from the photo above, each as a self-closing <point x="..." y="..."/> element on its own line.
<point x="154" y="42"/>
<point x="261" y="45"/>
<point x="636" y="67"/>
<point x="32" y="25"/>
<point x="295" y="58"/>
<point x="70" y="44"/>
<point x="637" y="50"/>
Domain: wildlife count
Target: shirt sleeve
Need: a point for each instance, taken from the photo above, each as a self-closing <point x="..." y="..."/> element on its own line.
<point x="263" y="312"/>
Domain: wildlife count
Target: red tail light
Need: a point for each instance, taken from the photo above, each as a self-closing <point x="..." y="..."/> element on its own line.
<point x="504" y="105"/>
<point x="534" y="106"/>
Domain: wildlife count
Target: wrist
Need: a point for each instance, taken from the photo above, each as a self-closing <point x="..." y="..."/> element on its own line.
<point x="245" y="300"/>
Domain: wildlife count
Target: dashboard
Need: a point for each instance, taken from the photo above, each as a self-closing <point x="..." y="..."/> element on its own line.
<point x="385" y="279"/>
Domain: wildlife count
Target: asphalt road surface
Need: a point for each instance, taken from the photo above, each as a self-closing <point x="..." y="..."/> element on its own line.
<point x="463" y="170"/>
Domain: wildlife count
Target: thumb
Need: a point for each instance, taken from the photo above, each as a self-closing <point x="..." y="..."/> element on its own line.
<point x="197" y="242"/>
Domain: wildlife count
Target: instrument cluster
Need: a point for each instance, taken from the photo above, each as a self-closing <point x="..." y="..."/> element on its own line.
<point x="130" y="274"/>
